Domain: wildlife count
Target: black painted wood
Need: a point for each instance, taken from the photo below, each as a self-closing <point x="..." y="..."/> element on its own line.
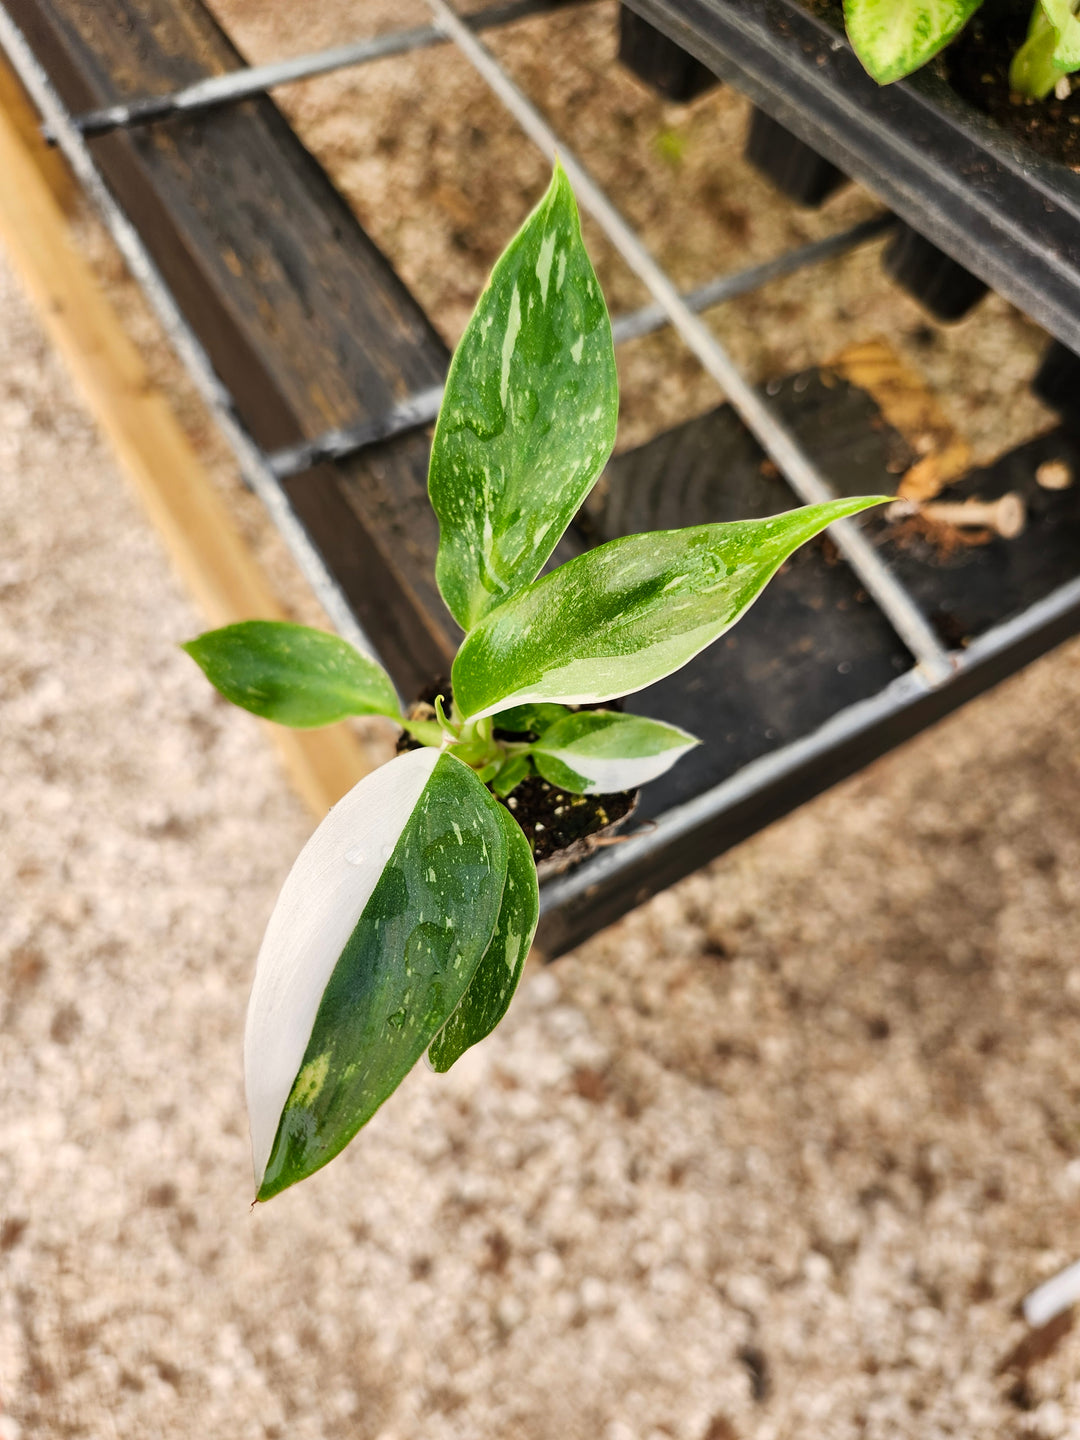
<point x="302" y="316"/>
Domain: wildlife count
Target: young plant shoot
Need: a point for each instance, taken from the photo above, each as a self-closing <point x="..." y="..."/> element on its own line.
<point x="404" y="925"/>
<point x="1051" y="51"/>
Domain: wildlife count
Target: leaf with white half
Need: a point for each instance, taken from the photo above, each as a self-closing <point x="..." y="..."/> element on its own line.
<point x="496" y="977"/>
<point x="894" y="37"/>
<point x="600" y="751"/>
<point x="293" y="674"/>
<point x="528" y="417"/>
<point x="374" y="939"/>
<point x="626" y="614"/>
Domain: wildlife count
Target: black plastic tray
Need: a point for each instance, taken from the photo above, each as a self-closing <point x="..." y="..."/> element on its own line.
<point x="1000" y="210"/>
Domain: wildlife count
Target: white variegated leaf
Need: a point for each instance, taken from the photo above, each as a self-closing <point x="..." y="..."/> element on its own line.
<point x="373" y="941"/>
<point x="600" y="751"/>
<point x="626" y="614"/>
<point x="529" y="414"/>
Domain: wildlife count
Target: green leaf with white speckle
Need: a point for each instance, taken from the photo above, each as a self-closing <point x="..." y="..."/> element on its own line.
<point x="293" y="674"/>
<point x="626" y="614"/>
<point x="894" y="37"/>
<point x="496" y="978"/>
<point x="373" y="942"/>
<point x="528" y="417"/>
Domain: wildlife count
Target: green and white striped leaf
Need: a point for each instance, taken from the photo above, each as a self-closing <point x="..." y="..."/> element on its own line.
<point x="626" y="614"/>
<point x="293" y="674"/>
<point x="1062" y="16"/>
<point x="894" y="37"/>
<point x="600" y="751"/>
<point x="496" y="978"/>
<point x="372" y="944"/>
<point x="528" y="417"/>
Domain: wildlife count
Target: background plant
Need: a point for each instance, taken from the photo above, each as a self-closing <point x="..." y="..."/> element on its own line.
<point x="405" y="922"/>
<point x="893" y="38"/>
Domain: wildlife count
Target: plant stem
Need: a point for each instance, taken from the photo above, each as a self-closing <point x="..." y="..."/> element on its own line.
<point x="1033" y="72"/>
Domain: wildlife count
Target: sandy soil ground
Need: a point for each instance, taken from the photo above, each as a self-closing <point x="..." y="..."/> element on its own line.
<point x="776" y="1156"/>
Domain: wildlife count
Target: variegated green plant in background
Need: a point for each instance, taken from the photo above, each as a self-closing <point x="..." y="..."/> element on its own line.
<point x="404" y="925"/>
<point x="893" y="38"/>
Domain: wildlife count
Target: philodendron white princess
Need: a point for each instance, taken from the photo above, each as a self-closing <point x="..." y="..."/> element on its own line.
<point x="404" y="925"/>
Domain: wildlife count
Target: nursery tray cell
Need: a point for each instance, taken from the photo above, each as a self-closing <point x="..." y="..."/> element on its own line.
<point x="1007" y="214"/>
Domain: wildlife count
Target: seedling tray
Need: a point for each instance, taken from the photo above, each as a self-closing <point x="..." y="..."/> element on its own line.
<point x="256" y="261"/>
<point x="1003" y="212"/>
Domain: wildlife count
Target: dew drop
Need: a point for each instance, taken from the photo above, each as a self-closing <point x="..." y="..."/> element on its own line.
<point x="355" y="856"/>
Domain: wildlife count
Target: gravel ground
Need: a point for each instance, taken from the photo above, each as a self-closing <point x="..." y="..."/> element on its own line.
<point x="775" y="1156"/>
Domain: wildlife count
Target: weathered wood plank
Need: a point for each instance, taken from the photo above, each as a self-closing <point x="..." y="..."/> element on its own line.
<point x="147" y="439"/>
<point x="302" y="316"/>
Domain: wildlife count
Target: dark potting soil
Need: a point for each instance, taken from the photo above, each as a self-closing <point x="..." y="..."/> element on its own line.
<point x="557" y="824"/>
<point x="976" y="66"/>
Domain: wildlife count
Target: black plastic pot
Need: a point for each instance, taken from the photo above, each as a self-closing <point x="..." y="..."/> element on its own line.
<point x="996" y="208"/>
<point x="796" y="170"/>
<point x="652" y="57"/>
<point x="1057" y="383"/>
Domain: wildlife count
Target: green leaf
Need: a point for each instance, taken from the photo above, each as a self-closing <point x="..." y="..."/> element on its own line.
<point x="528" y="418"/>
<point x="492" y="986"/>
<point x="373" y="942"/>
<point x="1035" y="69"/>
<point x="894" y="37"/>
<point x="600" y="752"/>
<point x="293" y="674"/>
<point x="1061" y="14"/>
<point x="529" y="719"/>
<point x="626" y="614"/>
<point x="511" y="775"/>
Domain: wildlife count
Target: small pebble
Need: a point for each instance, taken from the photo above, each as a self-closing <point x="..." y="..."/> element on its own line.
<point x="1062" y="90"/>
<point x="1054" y="475"/>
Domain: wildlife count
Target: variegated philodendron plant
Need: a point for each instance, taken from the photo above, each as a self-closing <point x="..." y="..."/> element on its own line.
<point x="404" y="925"/>
<point x="893" y="38"/>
